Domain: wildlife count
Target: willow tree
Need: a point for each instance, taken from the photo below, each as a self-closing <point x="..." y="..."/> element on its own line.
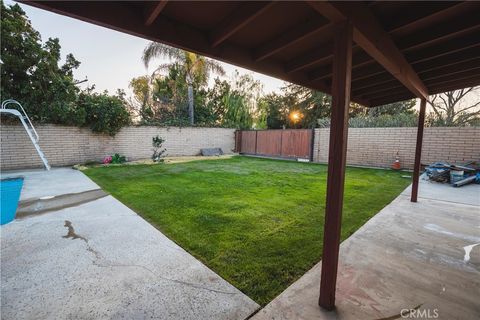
<point x="196" y="68"/>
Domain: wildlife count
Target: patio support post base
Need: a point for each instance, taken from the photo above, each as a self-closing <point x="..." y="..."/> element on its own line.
<point x="342" y="69"/>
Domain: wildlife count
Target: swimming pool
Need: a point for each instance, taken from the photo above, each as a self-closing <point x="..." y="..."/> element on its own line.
<point x="10" y="189"/>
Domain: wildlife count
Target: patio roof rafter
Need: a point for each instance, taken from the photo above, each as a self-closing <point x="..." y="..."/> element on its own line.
<point x="237" y="20"/>
<point x="291" y="37"/>
<point x="316" y="56"/>
<point x="455" y="28"/>
<point x="432" y="18"/>
<point x="369" y="34"/>
<point x="416" y="56"/>
<point x="415" y="43"/>
<point x="153" y="10"/>
<point x="437" y="63"/>
<point x="464" y="67"/>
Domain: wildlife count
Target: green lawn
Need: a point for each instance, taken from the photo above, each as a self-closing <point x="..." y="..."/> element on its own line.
<point x="256" y="222"/>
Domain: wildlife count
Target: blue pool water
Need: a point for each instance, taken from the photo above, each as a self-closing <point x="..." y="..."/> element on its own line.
<point x="10" y="189"/>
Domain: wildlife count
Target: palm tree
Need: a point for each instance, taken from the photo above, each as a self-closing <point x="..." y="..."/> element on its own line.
<point x="196" y="67"/>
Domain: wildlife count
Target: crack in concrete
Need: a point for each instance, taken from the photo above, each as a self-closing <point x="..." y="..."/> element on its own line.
<point x="97" y="256"/>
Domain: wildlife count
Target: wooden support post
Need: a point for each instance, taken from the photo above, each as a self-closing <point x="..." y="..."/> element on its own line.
<point x="312" y="144"/>
<point x="342" y="69"/>
<point x="418" y="150"/>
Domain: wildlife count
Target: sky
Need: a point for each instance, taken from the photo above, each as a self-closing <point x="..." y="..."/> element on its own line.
<point x="109" y="59"/>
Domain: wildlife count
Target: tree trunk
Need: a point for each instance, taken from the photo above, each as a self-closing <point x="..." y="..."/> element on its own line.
<point x="190" y="99"/>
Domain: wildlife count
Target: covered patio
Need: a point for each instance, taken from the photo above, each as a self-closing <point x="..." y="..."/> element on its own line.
<point x="421" y="256"/>
<point x="371" y="53"/>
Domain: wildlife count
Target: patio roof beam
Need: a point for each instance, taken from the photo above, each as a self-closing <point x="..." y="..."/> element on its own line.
<point x="237" y="20"/>
<point x="420" y="56"/>
<point x="369" y="35"/>
<point x="439" y="88"/>
<point x="291" y="37"/>
<point x="429" y="74"/>
<point x="469" y="75"/>
<point x="310" y="59"/>
<point x="435" y="89"/>
<point x="452" y="65"/>
<point x="418" y="150"/>
<point x="342" y="70"/>
<point x="153" y="10"/>
<point x="445" y="50"/>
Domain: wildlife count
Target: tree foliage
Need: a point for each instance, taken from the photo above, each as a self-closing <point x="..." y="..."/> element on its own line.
<point x="195" y="69"/>
<point x="31" y="73"/>
<point x="379" y="121"/>
<point x="161" y="100"/>
<point x="310" y="105"/>
<point x="401" y="107"/>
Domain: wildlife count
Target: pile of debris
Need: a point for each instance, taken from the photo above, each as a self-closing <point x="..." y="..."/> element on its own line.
<point x="456" y="175"/>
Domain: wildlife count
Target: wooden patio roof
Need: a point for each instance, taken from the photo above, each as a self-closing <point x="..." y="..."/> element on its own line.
<point x="401" y="50"/>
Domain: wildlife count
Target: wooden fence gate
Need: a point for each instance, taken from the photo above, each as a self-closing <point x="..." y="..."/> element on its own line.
<point x="288" y="143"/>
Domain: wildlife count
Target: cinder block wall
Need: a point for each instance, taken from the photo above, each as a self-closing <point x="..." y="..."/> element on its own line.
<point x="378" y="147"/>
<point x="64" y="145"/>
<point x="375" y="147"/>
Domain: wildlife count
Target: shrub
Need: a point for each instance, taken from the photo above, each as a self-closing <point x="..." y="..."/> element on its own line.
<point x="104" y="113"/>
<point x="158" y="152"/>
<point x="382" y="121"/>
<point x="117" y="159"/>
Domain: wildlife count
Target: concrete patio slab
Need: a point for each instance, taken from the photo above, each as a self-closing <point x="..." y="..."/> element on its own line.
<point x="423" y="256"/>
<point x="100" y="260"/>
<point x="468" y="194"/>
<point x="40" y="183"/>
